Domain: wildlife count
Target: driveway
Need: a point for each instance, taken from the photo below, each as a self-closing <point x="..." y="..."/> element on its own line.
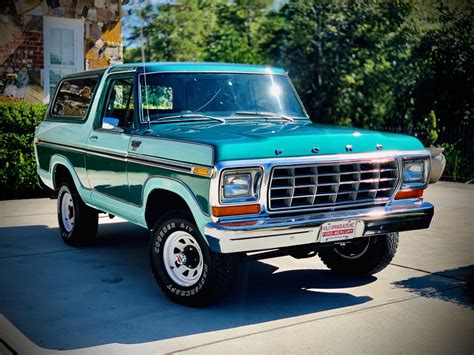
<point x="103" y="299"/>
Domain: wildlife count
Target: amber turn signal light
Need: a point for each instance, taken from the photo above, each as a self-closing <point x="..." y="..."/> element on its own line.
<point x="409" y="194"/>
<point x="235" y="210"/>
<point x="201" y="171"/>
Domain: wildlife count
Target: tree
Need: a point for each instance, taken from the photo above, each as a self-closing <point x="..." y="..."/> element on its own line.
<point x="446" y="51"/>
<point x="202" y="30"/>
<point x="143" y="15"/>
<point x="347" y="59"/>
<point x="368" y="64"/>
<point x="235" y="34"/>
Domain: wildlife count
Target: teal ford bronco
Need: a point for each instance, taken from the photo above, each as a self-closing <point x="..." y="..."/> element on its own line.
<point x="221" y="162"/>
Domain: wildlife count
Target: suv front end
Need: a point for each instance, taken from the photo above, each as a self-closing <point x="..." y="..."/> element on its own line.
<point x="282" y="203"/>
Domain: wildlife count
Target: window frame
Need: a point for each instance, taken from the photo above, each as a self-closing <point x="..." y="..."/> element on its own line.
<point x="103" y="100"/>
<point x="141" y="121"/>
<point x="72" y="119"/>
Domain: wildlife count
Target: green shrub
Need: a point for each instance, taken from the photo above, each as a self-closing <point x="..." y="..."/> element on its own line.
<point x="455" y="164"/>
<point x="431" y="129"/>
<point x="17" y="159"/>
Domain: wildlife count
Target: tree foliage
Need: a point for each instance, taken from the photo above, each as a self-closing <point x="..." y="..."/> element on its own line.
<point x="446" y="53"/>
<point x="200" y="30"/>
<point x="363" y="63"/>
<point x="398" y="65"/>
<point x="346" y="59"/>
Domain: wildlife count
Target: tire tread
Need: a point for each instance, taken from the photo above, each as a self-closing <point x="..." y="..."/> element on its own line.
<point x="378" y="257"/>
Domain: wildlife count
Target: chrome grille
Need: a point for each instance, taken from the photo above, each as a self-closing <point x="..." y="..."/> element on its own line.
<point x="330" y="185"/>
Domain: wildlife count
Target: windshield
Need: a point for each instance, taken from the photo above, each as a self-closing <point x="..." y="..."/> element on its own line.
<point x="217" y="94"/>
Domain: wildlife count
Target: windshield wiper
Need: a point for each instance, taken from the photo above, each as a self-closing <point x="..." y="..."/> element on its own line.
<point x="188" y="115"/>
<point x="267" y="114"/>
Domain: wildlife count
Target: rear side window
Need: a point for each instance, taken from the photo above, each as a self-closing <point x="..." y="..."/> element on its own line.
<point x="74" y="97"/>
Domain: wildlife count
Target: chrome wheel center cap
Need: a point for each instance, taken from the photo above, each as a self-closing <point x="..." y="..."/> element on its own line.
<point x="181" y="259"/>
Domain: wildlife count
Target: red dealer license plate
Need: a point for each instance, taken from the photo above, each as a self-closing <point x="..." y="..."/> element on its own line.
<point x="336" y="231"/>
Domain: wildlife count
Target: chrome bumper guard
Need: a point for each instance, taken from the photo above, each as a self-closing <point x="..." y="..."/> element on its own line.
<point x="265" y="233"/>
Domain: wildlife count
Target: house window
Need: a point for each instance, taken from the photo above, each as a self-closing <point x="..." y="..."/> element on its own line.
<point x="63" y="50"/>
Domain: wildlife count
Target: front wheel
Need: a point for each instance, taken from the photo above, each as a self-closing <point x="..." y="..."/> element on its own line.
<point x="186" y="270"/>
<point x="364" y="257"/>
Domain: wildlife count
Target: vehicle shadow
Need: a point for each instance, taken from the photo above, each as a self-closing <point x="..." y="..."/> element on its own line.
<point x="65" y="298"/>
<point x="453" y="285"/>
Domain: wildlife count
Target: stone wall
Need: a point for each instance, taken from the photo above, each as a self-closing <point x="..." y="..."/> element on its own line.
<point x="21" y="42"/>
<point x="102" y="32"/>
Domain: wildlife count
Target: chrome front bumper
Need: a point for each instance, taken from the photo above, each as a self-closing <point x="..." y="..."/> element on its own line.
<point x="266" y="233"/>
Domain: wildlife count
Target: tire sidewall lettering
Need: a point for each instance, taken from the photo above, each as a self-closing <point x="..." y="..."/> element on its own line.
<point x="160" y="237"/>
<point x="189" y="292"/>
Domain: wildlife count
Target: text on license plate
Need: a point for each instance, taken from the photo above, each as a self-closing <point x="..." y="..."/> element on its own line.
<point x="339" y="230"/>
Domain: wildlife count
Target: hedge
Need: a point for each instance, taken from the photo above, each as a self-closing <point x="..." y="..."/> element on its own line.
<point x="17" y="159"/>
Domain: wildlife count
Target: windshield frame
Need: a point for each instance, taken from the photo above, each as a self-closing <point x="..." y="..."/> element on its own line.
<point x="144" y="121"/>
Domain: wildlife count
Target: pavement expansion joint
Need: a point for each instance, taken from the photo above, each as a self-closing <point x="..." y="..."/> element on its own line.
<point x="429" y="272"/>
<point x="355" y="311"/>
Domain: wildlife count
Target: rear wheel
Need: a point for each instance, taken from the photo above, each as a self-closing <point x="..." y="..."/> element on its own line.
<point x="186" y="270"/>
<point x="77" y="221"/>
<point x="364" y="257"/>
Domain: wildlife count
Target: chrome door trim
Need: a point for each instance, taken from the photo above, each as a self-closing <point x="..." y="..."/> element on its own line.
<point x="133" y="158"/>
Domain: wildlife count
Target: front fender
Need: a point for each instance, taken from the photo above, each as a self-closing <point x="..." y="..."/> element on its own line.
<point x="182" y="190"/>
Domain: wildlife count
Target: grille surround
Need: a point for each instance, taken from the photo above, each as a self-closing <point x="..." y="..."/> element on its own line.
<point x="333" y="185"/>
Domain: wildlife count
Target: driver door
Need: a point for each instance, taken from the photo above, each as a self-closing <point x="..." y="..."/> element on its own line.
<point x="109" y="140"/>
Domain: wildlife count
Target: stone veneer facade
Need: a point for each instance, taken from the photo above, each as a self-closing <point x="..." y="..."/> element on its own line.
<point x="22" y="43"/>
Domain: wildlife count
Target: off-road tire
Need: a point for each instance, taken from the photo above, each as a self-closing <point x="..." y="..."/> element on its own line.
<point x="218" y="270"/>
<point x="378" y="255"/>
<point x="84" y="230"/>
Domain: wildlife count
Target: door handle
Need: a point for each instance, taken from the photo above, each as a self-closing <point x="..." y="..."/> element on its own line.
<point x="135" y="145"/>
<point x="93" y="138"/>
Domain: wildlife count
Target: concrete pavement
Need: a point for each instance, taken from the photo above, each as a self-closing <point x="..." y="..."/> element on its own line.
<point x="103" y="299"/>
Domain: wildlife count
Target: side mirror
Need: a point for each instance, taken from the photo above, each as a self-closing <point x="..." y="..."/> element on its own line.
<point x="111" y="124"/>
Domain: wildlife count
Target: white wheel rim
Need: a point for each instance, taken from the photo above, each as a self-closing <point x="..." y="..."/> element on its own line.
<point x="180" y="253"/>
<point x="67" y="211"/>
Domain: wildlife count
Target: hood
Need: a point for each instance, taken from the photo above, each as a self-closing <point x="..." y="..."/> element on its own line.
<point x="237" y="140"/>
